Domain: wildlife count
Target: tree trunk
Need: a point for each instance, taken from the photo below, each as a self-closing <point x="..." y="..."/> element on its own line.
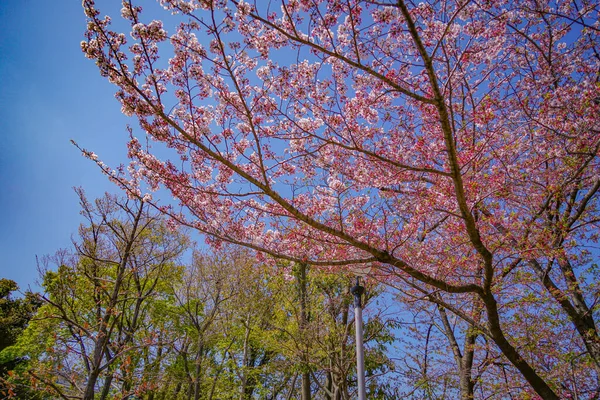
<point x="245" y="357"/>
<point x="536" y="382"/>
<point x="328" y="386"/>
<point x="91" y="384"/>
<point x="106" y="387"/>
<point x="177" y="389"/>
<point x="198" y="372"/>
<point x="579" y="313"/>
<point x="467" y="386"/>
<point x="306" y="395"/>
<point x="464" y="359"/>
<point x="103" y="332"/>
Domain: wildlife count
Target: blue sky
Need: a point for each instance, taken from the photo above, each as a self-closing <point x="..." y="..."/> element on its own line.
<point x="50" y="94"/>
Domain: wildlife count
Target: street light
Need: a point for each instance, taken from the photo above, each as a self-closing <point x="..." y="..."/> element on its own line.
<point x="358" y="291"/>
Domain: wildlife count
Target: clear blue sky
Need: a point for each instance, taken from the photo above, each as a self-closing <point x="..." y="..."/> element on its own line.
<point x="50" y="94"/>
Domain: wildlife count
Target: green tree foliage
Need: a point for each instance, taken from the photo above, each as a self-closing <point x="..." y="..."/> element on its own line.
<point x="94" y="326"/>
<point x="123" y="318"/>
<point x="15" y="314"/>
<point x="240" y="333"/>
<point x="315" y="326"/>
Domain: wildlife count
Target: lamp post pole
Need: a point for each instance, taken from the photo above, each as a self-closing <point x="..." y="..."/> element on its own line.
<point x="358" y="291"/>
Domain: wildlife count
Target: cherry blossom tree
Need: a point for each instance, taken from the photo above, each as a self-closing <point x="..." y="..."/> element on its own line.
<point x="453" y="145"/>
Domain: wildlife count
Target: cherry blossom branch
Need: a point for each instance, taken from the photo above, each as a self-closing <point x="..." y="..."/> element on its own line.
<point x="340" y="57"/>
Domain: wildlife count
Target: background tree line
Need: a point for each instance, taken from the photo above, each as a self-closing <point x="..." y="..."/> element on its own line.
<point x="122" y="316"/>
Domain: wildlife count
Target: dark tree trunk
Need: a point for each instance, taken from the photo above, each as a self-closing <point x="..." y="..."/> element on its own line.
<point x="536" y="382"/>
<point x="578" y="311"/>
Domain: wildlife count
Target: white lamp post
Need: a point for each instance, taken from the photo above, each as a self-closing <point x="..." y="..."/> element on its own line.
<point x="358" y="291"/>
